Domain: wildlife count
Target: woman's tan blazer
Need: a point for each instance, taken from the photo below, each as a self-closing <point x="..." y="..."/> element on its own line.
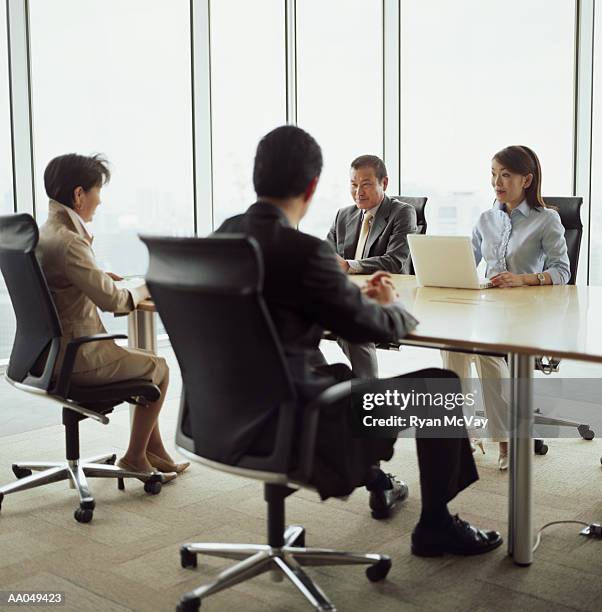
<point x="79" y="287"/>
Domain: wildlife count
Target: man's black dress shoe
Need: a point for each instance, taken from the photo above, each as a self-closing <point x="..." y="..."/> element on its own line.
<point x="459" y="538"/>
<point x="382" y="499"/>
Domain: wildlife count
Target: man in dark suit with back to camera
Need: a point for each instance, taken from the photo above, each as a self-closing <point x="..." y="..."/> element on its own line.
<point x="368" y="236"/>
<point x="306" y="292"/>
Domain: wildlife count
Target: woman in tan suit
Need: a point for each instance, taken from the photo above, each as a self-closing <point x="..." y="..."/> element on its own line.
<point x="79" y="287"/>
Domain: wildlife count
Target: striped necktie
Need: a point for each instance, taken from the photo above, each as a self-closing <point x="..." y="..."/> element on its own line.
<point x="361" y="243"/>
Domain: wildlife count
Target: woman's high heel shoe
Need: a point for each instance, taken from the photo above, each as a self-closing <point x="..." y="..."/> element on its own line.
<point x="477" y="442"/>
<point x="166" y="466"/>
<point x="144" y="476"/>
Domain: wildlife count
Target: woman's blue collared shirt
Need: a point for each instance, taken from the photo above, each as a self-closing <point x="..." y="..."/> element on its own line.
<point x="527" y="241"/>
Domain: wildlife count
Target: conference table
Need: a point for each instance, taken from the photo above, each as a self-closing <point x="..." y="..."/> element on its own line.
<point x="518" y="323"/>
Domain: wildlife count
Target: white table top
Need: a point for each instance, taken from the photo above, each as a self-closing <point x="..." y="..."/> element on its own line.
<point x="558" y="321"/>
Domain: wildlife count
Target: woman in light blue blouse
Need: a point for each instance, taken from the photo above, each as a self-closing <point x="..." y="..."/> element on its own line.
<point x="522" y="243"/>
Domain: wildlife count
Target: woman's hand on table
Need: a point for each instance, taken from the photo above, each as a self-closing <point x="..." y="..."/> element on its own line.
<point x="508" y="279"/>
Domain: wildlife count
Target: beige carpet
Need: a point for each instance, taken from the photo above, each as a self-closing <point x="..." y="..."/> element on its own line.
<point x="128" y="557"/>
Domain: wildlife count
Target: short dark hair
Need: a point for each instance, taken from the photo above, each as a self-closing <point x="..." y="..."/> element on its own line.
<point x="287" y="160"/>
<point x="66" y="172"/>
<point x="371" y="161"/>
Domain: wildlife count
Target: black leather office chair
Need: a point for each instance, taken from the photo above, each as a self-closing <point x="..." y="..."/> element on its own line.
<point x="237" y="385"/>
<point x="420" y="205"/>
<point x="32" y="362"/>
<point x="569" y="210"/>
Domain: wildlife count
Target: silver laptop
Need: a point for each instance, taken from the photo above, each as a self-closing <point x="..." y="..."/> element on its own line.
<point x="445" y="261"/>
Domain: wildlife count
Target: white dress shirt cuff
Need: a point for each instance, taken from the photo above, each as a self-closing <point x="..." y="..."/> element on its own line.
<point x="354" y="266"/>
<point x="139" y="293"/>
<point x="555" y="276"/>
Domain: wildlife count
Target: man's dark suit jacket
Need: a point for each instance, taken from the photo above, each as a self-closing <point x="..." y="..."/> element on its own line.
<point x="306" y="292"/>
<point x="387" y="245"/>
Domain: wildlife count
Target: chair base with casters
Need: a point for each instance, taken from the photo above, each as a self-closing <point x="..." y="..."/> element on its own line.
<point x="285" y="553"/>
<point x="77" y="470"/>
<point x="550" y="365"/>
<point x="583" y="428"/>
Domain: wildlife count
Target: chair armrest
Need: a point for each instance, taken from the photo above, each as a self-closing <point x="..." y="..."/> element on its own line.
<point x="311" y="417"/>
<point x="62" y="387"/>
<point x="385" y="346"/>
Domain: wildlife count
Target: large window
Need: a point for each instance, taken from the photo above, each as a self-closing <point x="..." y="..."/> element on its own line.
<point x="113" y="77"/>
<point x="248" y="94"/>
<point x="478" y="76"/>
<point x="6" y="181"/>
<point x="7" y="320"/>
<point x="340" y="93"/>
<point x="595" y="261"/>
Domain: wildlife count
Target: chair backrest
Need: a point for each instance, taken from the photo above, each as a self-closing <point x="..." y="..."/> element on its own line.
<point x="38" y="333"/>
<point x="419" y="204"/>
<point x="569" y="209"/>
<point x="208" y="293"/>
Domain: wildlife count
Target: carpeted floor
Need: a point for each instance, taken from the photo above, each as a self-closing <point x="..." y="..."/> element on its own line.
<point x="128" y="559"/>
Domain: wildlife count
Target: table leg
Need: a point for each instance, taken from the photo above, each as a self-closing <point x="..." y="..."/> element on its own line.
<point x="511" y="457"/>
<point x="142" y="334"/>
<point x="520" y="511"/>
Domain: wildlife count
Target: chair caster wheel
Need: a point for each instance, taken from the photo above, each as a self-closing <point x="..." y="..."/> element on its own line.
<point x="379" y="570"/>
<point x="541" y="448"/>
<point x="83" y="515"/>
<point x="189" y="605"/>
<point x="152" y="487"/>
<point x="21" y="472"/>
<point x="187" y="559"/>
<point x="585" y="432"/>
